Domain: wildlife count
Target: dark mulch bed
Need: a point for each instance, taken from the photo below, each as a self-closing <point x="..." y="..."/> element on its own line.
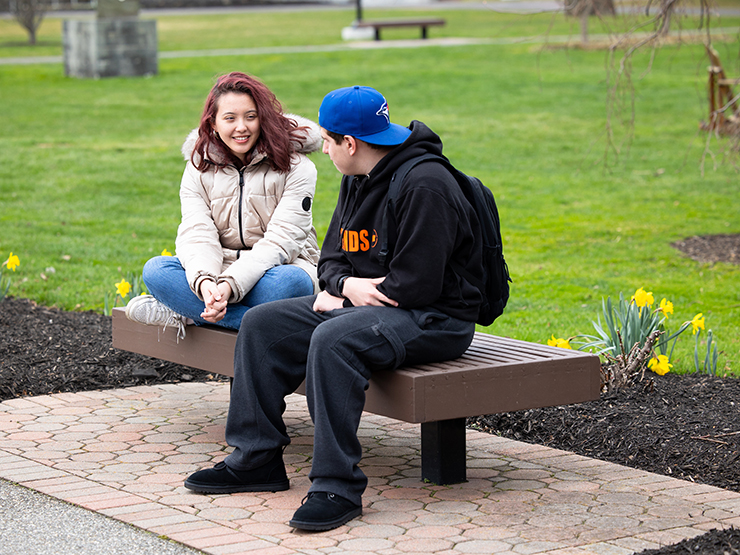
<point x="714" y="542"/>
<point x="47" y="350"/>
<point x="711" y="248"/>
<point x="683" y="426"/>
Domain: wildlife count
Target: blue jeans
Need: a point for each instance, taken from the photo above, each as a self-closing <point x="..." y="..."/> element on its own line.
<point x="165" y="279"/>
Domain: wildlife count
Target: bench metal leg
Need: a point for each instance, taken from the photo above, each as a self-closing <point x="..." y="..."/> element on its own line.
<point x="377" y="33"/>
<point x="443" y="451"/>
<point x="423" y="32"/>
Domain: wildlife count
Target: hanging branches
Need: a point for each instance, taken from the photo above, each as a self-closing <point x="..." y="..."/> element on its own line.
<point x="652" y="33"/>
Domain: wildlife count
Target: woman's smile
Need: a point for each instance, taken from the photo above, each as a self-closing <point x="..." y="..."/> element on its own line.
<point x="237" y="123"/>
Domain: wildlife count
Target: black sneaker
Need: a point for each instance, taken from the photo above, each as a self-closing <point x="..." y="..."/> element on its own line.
<point x="270" y="476"/>
<point x="324" y="511"/>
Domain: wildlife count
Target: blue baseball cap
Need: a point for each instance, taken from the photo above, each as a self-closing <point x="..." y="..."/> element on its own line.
<point x="361" y="112"/>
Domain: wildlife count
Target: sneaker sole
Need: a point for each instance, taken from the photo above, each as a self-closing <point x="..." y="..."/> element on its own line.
<point x="210" y="488"/>
<point x="326" y="525"/>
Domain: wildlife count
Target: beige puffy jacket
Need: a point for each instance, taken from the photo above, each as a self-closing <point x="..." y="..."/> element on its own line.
<point x="237" y="224"/>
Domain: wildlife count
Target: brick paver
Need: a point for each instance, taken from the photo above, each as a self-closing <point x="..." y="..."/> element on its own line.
<point x="125" y="453"/>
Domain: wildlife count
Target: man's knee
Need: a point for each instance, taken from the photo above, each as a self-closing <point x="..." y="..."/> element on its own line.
<point x="255" y="317"/>
<point x="363" y="341"/>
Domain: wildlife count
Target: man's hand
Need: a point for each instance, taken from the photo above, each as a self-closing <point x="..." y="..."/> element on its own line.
<point x="364" y="292"/>
<point x="216" y="297"/>
<point x="325" y="302"/>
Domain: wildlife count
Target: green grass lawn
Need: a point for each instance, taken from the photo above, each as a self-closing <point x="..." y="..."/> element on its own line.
<point x="90" y="169"/>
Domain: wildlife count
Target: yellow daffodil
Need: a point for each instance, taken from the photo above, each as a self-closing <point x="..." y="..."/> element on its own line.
<point x="697" y="322"/>
<point x="643" y="298"/>
<point x="123" y="287"/>
<point x="165" y="252"/>
<point x="666" y="307"/>
<point x="559" y="342"/>
<point x="660" y="365"/>
<point x="12" y="262"/>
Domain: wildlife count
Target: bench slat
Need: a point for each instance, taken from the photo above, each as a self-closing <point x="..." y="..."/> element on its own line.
<point x="385" y="23"/>
<point x="401" y="22"/>
<point x="204" y="348"/>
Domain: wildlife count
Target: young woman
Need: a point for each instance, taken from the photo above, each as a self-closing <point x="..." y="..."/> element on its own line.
<point x="246" y="235"/>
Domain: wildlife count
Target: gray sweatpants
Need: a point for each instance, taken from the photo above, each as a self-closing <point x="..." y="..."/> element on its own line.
<point x="282" y="343"/>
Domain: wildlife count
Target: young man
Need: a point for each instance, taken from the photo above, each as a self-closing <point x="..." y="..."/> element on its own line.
<point x="369" y="316"/>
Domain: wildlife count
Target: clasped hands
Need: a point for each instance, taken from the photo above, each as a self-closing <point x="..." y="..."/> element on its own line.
<point x="216" y="297"/>
<point x="360" y="291"/>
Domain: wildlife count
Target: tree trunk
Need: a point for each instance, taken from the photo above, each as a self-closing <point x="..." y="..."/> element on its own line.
<point x="585" y="8"/>
<point x="576" y="8"/>
<point x="29" y="13"/>
<point x="584" y="27"/>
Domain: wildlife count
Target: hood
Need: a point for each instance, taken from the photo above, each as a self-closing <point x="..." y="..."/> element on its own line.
<point x="311" y="143"/>
<point x="421" y="141"/>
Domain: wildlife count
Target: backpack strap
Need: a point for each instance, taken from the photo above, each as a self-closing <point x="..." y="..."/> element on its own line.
<point x="396" y="180"/>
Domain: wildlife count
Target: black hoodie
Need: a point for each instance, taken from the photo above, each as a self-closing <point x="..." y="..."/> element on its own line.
<point x="434" y="224"/>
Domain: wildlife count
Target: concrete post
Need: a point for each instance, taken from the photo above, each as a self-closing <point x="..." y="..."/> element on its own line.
<point x="116" y="43"/>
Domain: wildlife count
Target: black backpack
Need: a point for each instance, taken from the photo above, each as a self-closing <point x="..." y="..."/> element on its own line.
<point x="495" y="286"/>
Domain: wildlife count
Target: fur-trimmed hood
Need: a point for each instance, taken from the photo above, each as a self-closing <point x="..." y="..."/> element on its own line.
<point x="312" y="142"/>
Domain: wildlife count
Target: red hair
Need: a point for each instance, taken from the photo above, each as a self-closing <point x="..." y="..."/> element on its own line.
<point x="277" y="132"/>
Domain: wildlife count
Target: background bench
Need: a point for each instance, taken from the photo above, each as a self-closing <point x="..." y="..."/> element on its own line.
<point x="386" y="23"/>
<point x="494" y="375"/>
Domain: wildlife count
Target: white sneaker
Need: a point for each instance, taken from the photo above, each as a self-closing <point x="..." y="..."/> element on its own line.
<point x="145" y="309"/>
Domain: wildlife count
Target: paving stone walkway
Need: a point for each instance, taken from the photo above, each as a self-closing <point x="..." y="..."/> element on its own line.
<point x="124" y="453"/>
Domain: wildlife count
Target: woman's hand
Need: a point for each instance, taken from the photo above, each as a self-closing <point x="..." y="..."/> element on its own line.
<point x="325" y="302"/>
<point x="364" y="292"/>
<point x="215" y="297"/>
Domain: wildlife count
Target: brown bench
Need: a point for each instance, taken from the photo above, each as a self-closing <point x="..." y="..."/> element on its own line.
<point x="495" y="375"/>
<point x="386" y="23"/>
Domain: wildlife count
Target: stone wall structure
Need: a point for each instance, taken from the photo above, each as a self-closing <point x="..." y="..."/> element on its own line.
<point x="116" y="43"/>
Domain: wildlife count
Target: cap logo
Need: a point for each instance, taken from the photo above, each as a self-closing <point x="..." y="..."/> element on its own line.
<point x="384" y="112"/>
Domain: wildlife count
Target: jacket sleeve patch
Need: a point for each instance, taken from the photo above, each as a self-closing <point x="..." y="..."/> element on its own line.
<point x="307" y="204"/>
